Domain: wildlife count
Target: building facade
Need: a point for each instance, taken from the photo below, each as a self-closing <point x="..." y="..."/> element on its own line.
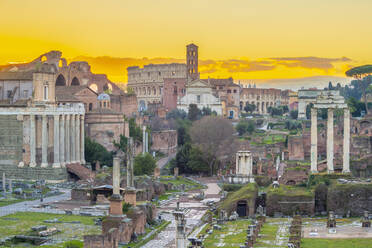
<point x="261" y="98"/>
<point x="39" y="137"/>
<point x="148" y="82"/>
<point x="200" y="93"/>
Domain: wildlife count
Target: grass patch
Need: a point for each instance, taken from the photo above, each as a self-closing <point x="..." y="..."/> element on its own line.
<point x="6" y="202"/>
<point x="21" y="223"/>
<point x="336" y="243"/>
<point x="288" y="190"/>
<point x="232" y="234"/>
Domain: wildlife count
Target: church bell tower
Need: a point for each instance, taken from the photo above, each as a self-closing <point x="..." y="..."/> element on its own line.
<point x="192" y="62"/>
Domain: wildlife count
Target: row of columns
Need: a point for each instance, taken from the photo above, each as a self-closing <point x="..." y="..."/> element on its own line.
<point x="68" y="137"/>
<point x="330" y="144"/>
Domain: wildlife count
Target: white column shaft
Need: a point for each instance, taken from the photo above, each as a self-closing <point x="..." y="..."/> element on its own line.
<point x="32" y="141"/>
<point x="330" y="141"/>
<point x="62" y="141"/>
<point x="44" y="141"/>
<point x="73" y="139"/>
<point x="82" y="141"/>
<point x="67" y="139"/>
<point x="56" y="163"/>
<point x="77" y="139"/>
<point x="143" y="139"/>
<point x="314" y="140"/>
<point x="346" y="158"/>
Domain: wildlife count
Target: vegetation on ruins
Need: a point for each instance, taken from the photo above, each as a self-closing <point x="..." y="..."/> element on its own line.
<point x="278" y="111"/>
<point x="144" y="164"/>
<point x="248" y="191"/>
<point x="134" y="130"/>
<point x="96" y="152"/>
<point x="245" y="126"/>
<point x="361" y="73"/>
<point x="293" y="114"/>
<point x="336" y="243"/>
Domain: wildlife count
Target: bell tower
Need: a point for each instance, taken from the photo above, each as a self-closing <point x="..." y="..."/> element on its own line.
<point x="192" y="62"/>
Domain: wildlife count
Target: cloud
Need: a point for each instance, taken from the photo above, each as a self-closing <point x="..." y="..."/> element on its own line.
<point x="116" y="68"/>
<point x="310" y="62"/>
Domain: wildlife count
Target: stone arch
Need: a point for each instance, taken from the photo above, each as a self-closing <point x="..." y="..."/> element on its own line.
<point x="290" y="182"/>
<point x="61" y="81"/>
<point x="143" y="91"/>
<point x="107" y="86"/>
<point x="154" y="90"/>
<point x="242" y="208"/>
<point x="148" y="91"/>
<point x="75" y="81"/>
<point x="94" y="87"/>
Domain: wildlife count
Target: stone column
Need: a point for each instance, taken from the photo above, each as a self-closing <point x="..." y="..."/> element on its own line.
<point x="56" y="163"/>
<point x="32" y="141"/>
<point x="314" y="140"/>
<point x="82" y="141"/>
<point x="73" y="139"/>
<point x="250" y="164"/>
<point x="116" y="176"/>
<point x="44" y="141"/>
<point x="330" y="141"/>
<point x="346" y="158"/>
<point x="147" y="142"/>
<point x="144" y="140"/>
<point x="62" y="141"/>
<point x="67" y="139"/>
<point x="4" y="183"/>
<point x="77" y="138"/>
<point x="237" y="163"/>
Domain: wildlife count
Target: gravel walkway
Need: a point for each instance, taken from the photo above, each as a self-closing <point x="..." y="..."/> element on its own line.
<point x="26" y="206"/>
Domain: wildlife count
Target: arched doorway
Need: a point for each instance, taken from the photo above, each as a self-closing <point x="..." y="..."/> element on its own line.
<point x="75" y="81"/>
<point x="61" y="81"/>
<point x="241" y="208"/>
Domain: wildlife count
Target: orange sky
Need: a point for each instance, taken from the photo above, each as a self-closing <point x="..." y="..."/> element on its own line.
<point x="246" y="39"/>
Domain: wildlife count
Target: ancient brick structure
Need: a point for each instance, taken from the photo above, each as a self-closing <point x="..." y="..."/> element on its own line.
<point x="164" y="141"/>
<point x="261" y="98"/>
<point x="174" y="88"/>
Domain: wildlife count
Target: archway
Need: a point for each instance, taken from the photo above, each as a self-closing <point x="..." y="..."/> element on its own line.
<point x="241" y="208"/>
<point x="75" y="81"/>
<point x="61" y="81"/>
<point x="291" y="182"/>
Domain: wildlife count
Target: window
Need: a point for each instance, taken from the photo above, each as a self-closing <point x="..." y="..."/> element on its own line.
<point x="198" y="98"/>
<point x="90" y="106"/>
<point x="104" y="104"/>
<point x="175" y="90"/>
<point x="234" y="91"/>
<point x="220" y="87"/>
<point x="46" y="92"/>
<point x="148" y="74"/>
<point x="159" y="73"/>
<point x="25" y="93"/>
<point x="9" y="94"/>
<point x="228" y="91"/>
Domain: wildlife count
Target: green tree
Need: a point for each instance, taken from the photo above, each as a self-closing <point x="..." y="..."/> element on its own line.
<point x="251" y="127"/>
<point x="134" y="130"/>
<point x="196" y="162"/>
<point x="249" y="107"/>
<point x="241" y="127"/>
<point x="194" y="113"/>
<point x="176" y="114"/>
<point x="144" y="164"/>
<point x="308" y="110"/>
<point x="206" y="111"/>
<point x="359" y="73"/>
<point x="294" y="114"/>
<point x="96" y="152"/>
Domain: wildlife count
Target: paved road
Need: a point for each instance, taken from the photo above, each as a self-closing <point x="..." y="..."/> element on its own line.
<point x="26" y="206"/>
<point x="166" y="238"/>
<point x="163" y="161"/>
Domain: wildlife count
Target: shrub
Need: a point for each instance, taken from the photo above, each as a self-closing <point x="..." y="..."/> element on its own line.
<point x="144" y="164"/>
<point x="73" y="244"/>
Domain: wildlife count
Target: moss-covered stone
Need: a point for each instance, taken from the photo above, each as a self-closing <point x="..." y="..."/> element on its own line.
<point x="248" y="193"/>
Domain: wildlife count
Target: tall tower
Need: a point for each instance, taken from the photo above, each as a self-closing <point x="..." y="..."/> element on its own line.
<point x="192" y="62"/>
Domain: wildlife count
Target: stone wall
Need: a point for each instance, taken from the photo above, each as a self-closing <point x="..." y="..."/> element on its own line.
<point x="11" y="140"/>
<point x="164" y="141"/>
<point x="289" y="204"/>
<point x="296" y="148"/>
<point x="355" y="198"/>
<point x="105" y="128"/>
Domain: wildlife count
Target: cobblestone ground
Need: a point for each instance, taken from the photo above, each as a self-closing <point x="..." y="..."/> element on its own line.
<point x="166" y="238"/>
<point x="27" y="206"/>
